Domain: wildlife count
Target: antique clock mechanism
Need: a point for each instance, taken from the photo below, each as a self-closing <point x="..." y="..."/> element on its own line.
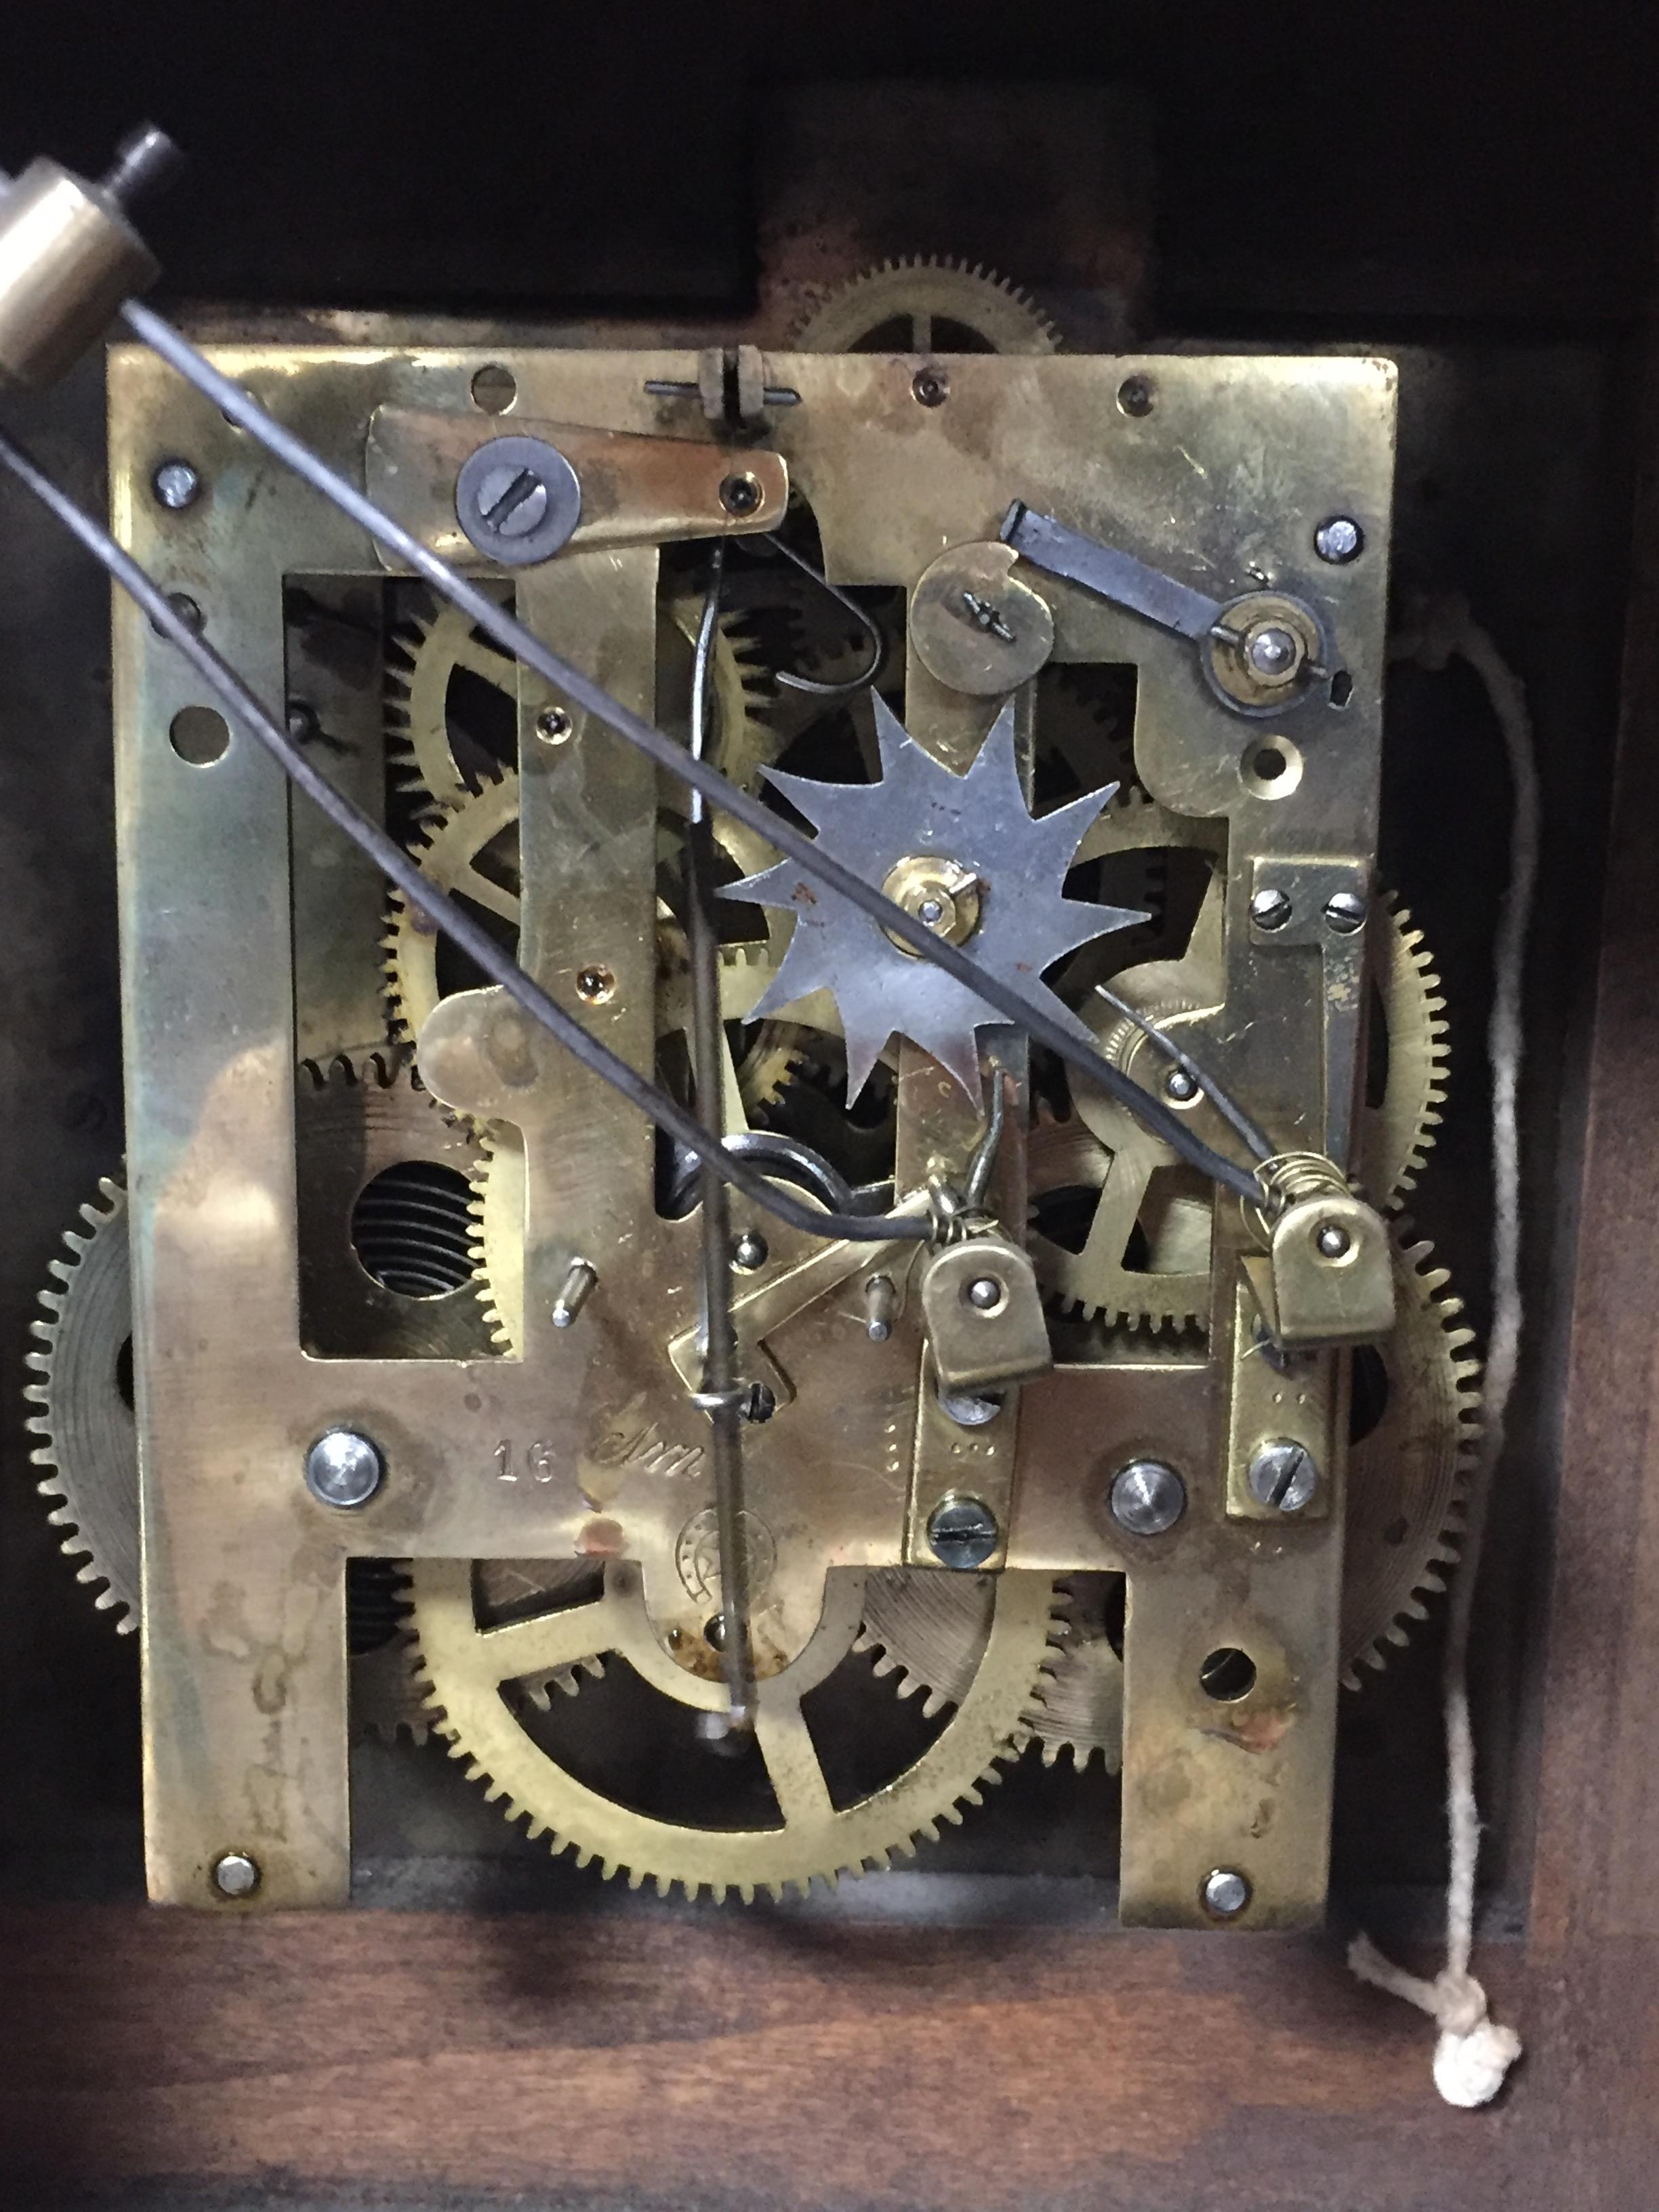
<point x="948" y="1299"/>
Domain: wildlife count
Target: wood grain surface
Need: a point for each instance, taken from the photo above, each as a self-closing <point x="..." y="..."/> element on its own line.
<point x="731" y="2061"/>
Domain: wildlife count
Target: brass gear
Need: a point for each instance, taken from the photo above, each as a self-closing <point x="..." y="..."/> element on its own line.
<point x="1396" y="1134"/>
<point x="1147" y="1203"/>
<point x="469" y="1668"/>
<point x="1078" y="1706"/>
<point x="352" y="1121"/>
<point x="1407" y="1474"/>
<point x="426" y="653"/>
<point x="429" y="649"/>
<point x="471" y="852"/>
<point x="1147" y="1196"/>
<point x="927" y="304"/>
<point x="927" y="1629"/>
<point x="497" y="1252"/>
<point x="1079" y="723"/>
<point x="90" y="1446"/>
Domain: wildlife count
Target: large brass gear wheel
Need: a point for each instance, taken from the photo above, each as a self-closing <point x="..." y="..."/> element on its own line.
<point x="1407" y="1470"/>
<point x="472" y="853"/>
<point x="430" y="650"/>
<point x="1119" y="1192"/>
<point x="474" y="1669"/>
<point x="927" y="305"/>
<point x="353" y="1121"/>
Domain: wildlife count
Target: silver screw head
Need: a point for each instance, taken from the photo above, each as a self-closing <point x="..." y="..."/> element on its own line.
<point x="1339" y="539"/>
<point x="759" y="1402"/>
<point x="236" y="1874"/>
<point x="741" y="494"/>
<point x="304" y="722"/>
<point x="518" y="500"/>
<point x="553" y="726"/>
<point x="176" y="485"/>
<point x="1332" y="1240"/>
<point x="1283" y="1475"/>
<point x="880" y="1304"/>
<point x="343" y="1469"/>
<point x="1271" y="652"/>
<point x="986" y="1292"/>
<point x="967" y="1410"/>
<point x="1180" y="1087"/>
<point x="1270" y="909"/>
<point x="750" y="1251"/>
<point x="930" y="912"/>
<point x="963" y="1532"/>
<point x="512" y="501"/>
<point x="1225" y="1893"/>
<point x="1345" y="912"/>
<point x="1147" y="1498"/>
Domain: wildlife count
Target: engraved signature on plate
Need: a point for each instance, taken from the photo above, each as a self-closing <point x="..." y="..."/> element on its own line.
<point x="646" y="1449"/>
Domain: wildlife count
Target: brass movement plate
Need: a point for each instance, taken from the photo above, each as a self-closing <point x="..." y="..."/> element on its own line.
<point x="585" y="1444"/>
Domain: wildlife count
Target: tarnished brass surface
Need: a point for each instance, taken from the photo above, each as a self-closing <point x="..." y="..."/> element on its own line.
<point x="983" y="1315"/>
<point x="978" y="626"/>
<point x="585" y="1445"/>
<point x="637" y="490"/>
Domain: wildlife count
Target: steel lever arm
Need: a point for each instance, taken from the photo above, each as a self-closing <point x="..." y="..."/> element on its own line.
<point x="1110" y="573"/>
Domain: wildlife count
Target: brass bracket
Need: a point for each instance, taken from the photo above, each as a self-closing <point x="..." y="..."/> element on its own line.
<point x="1323" y="904"/>
<point x="1300" y="1397"/>
<point x="777" y="1299"/>
<point x="636" y="490"/>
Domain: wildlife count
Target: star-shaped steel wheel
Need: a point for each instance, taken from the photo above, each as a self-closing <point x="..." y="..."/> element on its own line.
<point x="920" y="810"/>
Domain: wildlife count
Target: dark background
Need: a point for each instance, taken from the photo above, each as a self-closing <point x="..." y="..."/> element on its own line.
<point x="1426" y="161"/>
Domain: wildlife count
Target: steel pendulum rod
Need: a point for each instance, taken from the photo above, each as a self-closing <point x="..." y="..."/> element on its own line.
<point x="720" y="1394"/>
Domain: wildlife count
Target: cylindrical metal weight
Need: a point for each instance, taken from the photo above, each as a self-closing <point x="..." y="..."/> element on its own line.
<point x="67" y="259"/>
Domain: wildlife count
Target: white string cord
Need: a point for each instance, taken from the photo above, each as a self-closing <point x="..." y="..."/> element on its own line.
<point x="1473" y="2052"/>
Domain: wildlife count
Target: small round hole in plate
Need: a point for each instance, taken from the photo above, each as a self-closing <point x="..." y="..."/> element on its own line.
<point x="494" y="388"/>
<point x="1227" y="1675"/>
<point x="1271" y="768"/>
<point x="199" y="736"/>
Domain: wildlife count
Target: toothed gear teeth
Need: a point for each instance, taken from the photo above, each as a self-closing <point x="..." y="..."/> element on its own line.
<point x="1408" y="1475"/>
<point x="1407" y="1478"/>
<point x="471" y="853"/>
<point x="89" y="1445"/>
<point x="79" y="1406"/>
<point x="425" y="652"/>
<point x="1397" y="1135"/>
<point x="923" y="290"/>
<point x="1069" y="1157"/>
<point x="821" y="1842"/>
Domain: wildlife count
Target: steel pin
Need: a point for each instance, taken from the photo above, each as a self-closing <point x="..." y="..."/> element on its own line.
<point x="574" y="1292"/>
